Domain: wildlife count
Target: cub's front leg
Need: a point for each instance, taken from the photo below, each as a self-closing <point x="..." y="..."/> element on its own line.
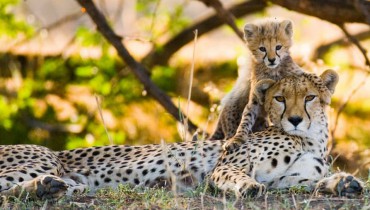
<point x="234" y="179"/>
<point x="250" y="113"/>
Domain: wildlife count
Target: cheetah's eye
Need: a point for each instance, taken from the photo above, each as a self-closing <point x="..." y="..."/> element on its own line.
<point x="309" y="98"/>
<point x="280" y="98"/>
<point x="263" y="49"/>
<point x="278" y="47"/>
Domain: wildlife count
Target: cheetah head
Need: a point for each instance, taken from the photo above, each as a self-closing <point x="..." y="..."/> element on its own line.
<point x="269" y="41"/>
<point x="297" y="103"/>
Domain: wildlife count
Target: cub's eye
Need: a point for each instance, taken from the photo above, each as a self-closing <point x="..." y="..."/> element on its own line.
<point x="309" y="98"/>
<point x="263" y="49"/>
<point x="280" y="98"/>
<point x="278" y="47"/>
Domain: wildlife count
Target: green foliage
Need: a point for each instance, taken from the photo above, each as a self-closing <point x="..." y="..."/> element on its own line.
<point x="87" y="38"/>
<point x="54" y="69"/>
<point x="164" y="77"/>
<point x="337" y="56"/>
<point x="160" y="19"/>
<point x="10" y="25"/>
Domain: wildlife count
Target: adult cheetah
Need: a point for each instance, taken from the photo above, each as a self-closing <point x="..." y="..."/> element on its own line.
<point x="290" y="153"/>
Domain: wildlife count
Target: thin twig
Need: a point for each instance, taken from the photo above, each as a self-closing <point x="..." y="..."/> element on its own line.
<point x="342" y="106"/>
<point x="51" y="26"/>
<point x="225" y="15"/>
<point x="191" y="82"/>
<point x="355" y="42"/>
<point x="102" y="119"/>
<point x="154" y="18"/>
<point x="356" y="89"/>
<point x="118" y="12"/>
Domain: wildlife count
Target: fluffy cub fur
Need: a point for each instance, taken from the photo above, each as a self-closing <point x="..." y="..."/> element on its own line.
<point x="269" y="42"/>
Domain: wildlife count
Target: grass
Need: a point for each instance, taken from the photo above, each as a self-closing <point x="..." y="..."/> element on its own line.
<point x="126" y="197"/>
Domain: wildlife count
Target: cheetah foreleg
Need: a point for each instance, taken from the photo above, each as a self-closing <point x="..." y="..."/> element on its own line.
<point x="42" y="187"/>
<point x="234" y="179"/>
<point x="249" y="116"/>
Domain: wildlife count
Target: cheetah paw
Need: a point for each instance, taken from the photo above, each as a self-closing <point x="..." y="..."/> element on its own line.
<point x="252" y="190"/>
<point x="50" y="187"/>
<point x="341" y="184"/>
<point x="232" y="144"/>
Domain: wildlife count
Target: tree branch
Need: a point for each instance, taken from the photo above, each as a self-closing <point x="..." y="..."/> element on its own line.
<point x="363" y="7"/>
<point x="139" y="70"/>
<point x="335" y="11"/>
<point x="161" y="55"/>
<point x="225" y="15"/>
<point x="356" y="43"/>
<point x="323" y="49"/>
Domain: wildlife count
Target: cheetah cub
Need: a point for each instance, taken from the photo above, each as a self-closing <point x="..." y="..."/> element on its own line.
<point x="268" y="42"/>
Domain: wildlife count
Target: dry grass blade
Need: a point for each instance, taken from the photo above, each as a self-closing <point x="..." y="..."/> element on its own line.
<point x="190" y="83"/>
<point x="294" y="202"/>
<point x="102" y="118"/>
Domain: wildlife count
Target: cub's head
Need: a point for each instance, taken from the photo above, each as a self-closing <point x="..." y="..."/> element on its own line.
<point x="269" y="41"/>
<point x="297" y="103"/>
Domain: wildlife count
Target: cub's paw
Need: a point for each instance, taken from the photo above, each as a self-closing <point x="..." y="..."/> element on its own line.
<point x="232" y="144"/>
<point x="249" y="190"/>
<point x="50" y="187"/>
<point x="341" y="184"/>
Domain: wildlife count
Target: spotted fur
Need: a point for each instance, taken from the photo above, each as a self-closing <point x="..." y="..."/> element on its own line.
<point x="278" y="157"/>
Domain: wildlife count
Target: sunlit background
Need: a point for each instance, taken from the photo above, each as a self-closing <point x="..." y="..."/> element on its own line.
<point x="56" y="70"/>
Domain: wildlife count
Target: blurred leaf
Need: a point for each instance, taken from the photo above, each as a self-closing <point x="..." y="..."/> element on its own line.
<point x="10" y="25"/>
<point x="86" y="71"/>
<point x="87" y="37"/>
<point x="164" y="77"/>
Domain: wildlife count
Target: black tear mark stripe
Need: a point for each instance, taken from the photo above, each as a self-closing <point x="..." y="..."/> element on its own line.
<point x="305" y="109"/>
<point x="309" y="117"/>
<point x="276" y="52"/>
<point x="282" y="114"/>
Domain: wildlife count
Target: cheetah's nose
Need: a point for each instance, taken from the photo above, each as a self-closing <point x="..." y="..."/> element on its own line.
<point x="295" y="120"/>
<point x="272" y="60"/>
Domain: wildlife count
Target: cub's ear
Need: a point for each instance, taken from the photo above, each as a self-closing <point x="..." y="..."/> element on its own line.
<point x="287" y="25"/>
<point x="261" y="88"/>
<point x="249" y="30"/>
<point x="330" y="79"/>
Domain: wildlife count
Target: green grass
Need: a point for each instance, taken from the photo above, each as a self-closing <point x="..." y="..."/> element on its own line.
<point x="201" y="198"/>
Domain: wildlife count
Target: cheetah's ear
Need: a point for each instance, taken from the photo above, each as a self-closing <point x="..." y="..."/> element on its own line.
<point x="249" y="30"/>
<point x="330" y="79"/>
<point x="287" y="25"/>
<point x="261" y="88"/>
